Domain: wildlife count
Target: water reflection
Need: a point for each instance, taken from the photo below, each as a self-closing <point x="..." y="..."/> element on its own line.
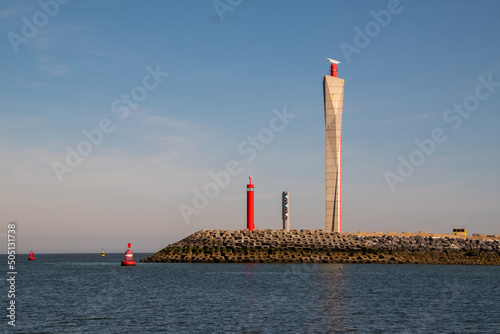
<point x="249" y="322"/>
<point x="333" y="313"/>
<point x="285" y="297"/>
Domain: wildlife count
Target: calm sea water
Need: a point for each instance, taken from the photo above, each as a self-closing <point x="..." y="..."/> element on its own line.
<point x="84" y="293"/>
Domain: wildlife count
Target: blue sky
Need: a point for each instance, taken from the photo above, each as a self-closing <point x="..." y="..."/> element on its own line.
<point x="229" y="75"/>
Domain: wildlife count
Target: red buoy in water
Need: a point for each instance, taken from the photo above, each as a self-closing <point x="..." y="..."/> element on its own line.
<point x="32" y="257"/>
<point x="129" y="257"/>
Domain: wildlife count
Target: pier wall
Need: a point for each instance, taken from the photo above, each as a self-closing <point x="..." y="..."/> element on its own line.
<point x="318" y="246"/>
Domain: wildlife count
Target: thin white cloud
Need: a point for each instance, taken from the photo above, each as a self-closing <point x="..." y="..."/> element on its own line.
<point x="165" y="121"/>
<point x="176" y="135"/>
<point x="12" y="16"/>
<point x="37" y="85"/>
<point x="11" y="121"/>
<point x="55" y="69"/>
<point x="220" y="73"/>
<point x="403" y="119"/>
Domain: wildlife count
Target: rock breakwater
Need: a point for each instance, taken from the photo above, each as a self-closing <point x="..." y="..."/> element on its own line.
<point x="305" y="246"/>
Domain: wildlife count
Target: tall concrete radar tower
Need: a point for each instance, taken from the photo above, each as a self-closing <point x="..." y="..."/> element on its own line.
<point x="333" y="91"/>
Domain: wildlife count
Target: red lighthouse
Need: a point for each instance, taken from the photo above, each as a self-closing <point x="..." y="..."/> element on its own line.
<point x="129" y="257"/>
<point x="250" y="222"/>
